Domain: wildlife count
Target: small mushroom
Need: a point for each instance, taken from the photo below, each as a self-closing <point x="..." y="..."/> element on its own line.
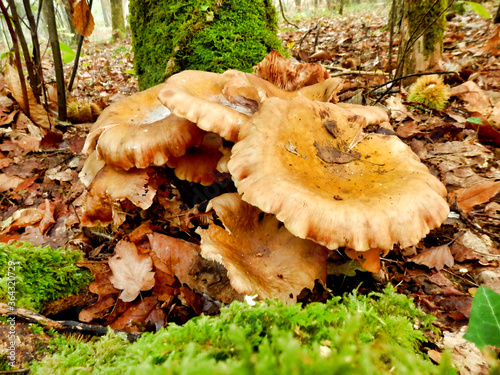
<point x="340" y="187"/>
<point x="261" y="256"/>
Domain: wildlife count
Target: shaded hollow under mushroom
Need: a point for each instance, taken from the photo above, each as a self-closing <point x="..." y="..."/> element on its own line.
<point x="310" y="164"/>
<point x="259" y="253"/>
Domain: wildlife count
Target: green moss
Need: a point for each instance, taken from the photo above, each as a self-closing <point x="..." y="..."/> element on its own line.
<point x="210" y="35"/>
<point x="373" y="334"/>
<point x="32" y="276"/>
<point x="421" y="14"/>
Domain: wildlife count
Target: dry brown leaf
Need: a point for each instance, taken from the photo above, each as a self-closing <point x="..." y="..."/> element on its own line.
<point x="369" y="260"/>
<point x="37" y="113"/>
<point x="182" y="259"/>
<point x="471" y="93"/>
<point x="9" y="182"/>
<point x="48" y="218"/>
<point x="133" y="319"/>
<point x="492" y="44"/>
<point x="26" y="216"/>
<point x="260" y="254"/>
<point x="476" y="194"/>
<point x="435" y="257"/>
<point x="132" y="272"/>
<point x="83" y="19"/>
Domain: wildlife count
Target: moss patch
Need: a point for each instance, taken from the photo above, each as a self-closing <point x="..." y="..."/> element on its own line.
<point x="372" y="334"/>
<point x="39" y="275"/>
<point x="210" y="35"/>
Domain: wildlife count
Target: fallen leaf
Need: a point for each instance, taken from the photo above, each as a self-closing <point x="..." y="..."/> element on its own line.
<point x="83" y="19"/>
<point x="9" y="182"/>
<point x="470" y="92"/>
<point x="435" y="257"/>
<point x="369" y="260"/>
<point x="474" y="195"/>
<point x="132" y="272"/>
<point x="134" y="318"/>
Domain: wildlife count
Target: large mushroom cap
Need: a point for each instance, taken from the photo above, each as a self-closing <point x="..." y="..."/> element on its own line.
<point x="259" y="253"/>
<point x="197" y="96"/>
<point x="139" y="131"/>
<point x="310" y="164"/>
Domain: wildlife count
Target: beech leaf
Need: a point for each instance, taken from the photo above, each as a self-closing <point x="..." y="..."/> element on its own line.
<point x="484" y="323"/>
<point x="83" y="19"/>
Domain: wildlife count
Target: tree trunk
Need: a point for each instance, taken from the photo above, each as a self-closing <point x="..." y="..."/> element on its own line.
<point x="50" y="19"/>
<point x="422" y="29"/>
<point x="297" y="5"/>
<point x="117" y="19"/>
<point x="497" y="15"/>
<point x="106" y="10"/>
<point x="169" y="36"/>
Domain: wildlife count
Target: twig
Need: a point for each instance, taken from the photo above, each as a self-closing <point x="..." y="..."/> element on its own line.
<point x="283" y="14"/>
<point x="316" y="38"/>
<point x="18" y="371"/>
<point x="60" y="325"/>
<point x="391" y="37"/>
<point x="359" y="72"/>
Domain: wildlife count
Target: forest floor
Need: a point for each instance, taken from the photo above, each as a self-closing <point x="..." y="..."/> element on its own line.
<point x="40" y="188"/>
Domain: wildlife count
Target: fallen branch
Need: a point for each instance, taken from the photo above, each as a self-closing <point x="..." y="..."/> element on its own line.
<point x="60" y="325"/>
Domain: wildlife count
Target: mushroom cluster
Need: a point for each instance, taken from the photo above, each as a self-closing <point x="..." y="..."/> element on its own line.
<point x="309" y="176"/>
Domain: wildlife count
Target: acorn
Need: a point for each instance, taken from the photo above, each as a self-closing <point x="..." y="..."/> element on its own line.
<point x="431" y="91"/>
<point x="80" y="111"/>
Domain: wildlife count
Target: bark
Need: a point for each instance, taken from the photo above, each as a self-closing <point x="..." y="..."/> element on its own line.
<point x="106" y="10"/>
<point x="422" y="29"/>
<point x="497" y="15"/>
<point x="117" y="19"/>
<point x="34" y="83"/>
<point x="17" y="55"/>
<point x="50" y="18"/>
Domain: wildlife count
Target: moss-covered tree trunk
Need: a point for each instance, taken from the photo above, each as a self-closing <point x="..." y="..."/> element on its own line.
<point x="212" y="35"/>
<point x="117" y="19"/>
<point x="423" y="28"/>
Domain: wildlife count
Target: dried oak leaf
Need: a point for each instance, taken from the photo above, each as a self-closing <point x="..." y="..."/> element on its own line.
<point x="435" y="257"/>
<point x="260" y="254"/>
<point x="132" y="272"/>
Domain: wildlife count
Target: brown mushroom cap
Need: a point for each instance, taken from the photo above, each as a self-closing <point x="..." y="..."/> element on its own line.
<point x="197" y="96"/>
<point x="259" y="253"/>
<point x="139" y="131"/>
<point x="311" y="165"/>
<point x="199" y="164"/>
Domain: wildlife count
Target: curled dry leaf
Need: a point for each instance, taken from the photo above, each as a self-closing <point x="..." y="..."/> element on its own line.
<point x="435" y="257"/>
<point x="369" y="260"/>
<point x="280" y="71"/>
<point x="132" y="272"/>
<point x="260" y="254"/>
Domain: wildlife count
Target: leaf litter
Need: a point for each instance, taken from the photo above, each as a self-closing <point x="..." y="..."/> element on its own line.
<point x="40" y="192"/>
